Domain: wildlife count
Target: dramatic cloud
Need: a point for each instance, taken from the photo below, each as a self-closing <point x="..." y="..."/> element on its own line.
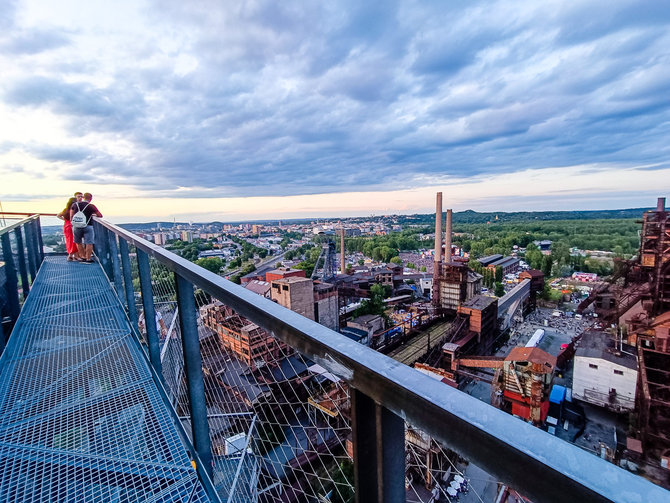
<point x="290" y="98"/>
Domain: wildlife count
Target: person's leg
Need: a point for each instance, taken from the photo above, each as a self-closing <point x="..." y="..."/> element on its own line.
<point x="70" y="246"/>
<point x="78" y="235"/>
<point x="89" y="237"/>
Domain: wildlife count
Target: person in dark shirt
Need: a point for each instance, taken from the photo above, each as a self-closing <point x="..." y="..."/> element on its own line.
<point x="85" y="236"/>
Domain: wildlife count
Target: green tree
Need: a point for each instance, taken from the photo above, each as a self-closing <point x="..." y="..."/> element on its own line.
<point x="397" y="260"/>
<point x="343" y="482"/>
<point x="499" y="273"/>
<point x="534" y="257"/>
<point x="213" y="264"/>
<point x="500" y="290"/>
<point x="306" y="266"/>
<point x="375" y="304"/>
<point x="546" y="265"/>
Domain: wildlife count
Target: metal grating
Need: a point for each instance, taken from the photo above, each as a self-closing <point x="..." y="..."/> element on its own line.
<point x="81" y="418"/>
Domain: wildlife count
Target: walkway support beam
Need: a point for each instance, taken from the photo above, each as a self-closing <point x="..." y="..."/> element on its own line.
<point x="194" y="379"/>
<point x="149" y="311"/>
<point x="23" y="270"/>
<point x="128" y="282"/>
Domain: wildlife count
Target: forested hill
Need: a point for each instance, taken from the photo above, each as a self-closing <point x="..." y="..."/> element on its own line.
<point x="474" y="217"/>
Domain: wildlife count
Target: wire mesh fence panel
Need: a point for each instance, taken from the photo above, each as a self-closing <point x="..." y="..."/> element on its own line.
<point x="167" y="326"/>
<point x="298" y="448"/>
<point x="435" y="473"/>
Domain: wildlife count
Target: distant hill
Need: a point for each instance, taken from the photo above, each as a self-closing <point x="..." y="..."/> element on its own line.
<point x="474" y="217"/>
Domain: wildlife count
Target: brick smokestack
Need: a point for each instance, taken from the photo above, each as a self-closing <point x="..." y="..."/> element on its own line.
<point x="660" y="204"/>
<point x="447" y="238"/>
<point x="342" y="258"/>
<point x="438" y="228"/>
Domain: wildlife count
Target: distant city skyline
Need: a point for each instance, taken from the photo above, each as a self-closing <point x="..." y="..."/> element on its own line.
<point x="240" y="111"/>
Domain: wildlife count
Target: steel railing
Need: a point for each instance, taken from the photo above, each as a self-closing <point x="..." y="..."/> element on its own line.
<point x="21" y="254"/>
<point x="384" y="393"/>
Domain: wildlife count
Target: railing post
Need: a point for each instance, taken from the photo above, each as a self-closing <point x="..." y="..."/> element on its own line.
<point x="11" y="281"/>
<point x="149" y="311"/>
<point x="102" y="248"/>
<point x="379" y="451"/>
<point x="116" y="266"/>
<point x="40" y="241"/>
<point x="32" y="251"/>
<point x="193" y="365"/>
<point x="23" y="271"/>
<point x="128" y="281"/>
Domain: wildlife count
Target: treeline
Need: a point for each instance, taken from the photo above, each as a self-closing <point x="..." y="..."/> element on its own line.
<point x="248" y="250"/>
<point x="475" y="217"/>
<point x="298" y="252"/>
<point x="618" y="236"/>
<point x="188" y="250"/>
<point x="384" y="248"/>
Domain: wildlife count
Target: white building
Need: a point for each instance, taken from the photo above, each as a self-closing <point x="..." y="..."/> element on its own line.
<point x="605" y="374"/>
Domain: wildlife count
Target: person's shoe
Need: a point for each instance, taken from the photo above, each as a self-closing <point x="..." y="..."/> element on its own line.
<point x="70" y="259"/>
<point x="88" y="261"/>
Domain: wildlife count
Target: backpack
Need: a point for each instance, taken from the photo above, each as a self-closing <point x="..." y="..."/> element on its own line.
<point x="79" y="220"/>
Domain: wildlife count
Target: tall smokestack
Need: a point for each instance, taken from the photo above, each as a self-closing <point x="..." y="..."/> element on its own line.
<point x="342" y="258"/>
<point x="438" y="228"/>
<point x="660" y="204"/>
<point x="447" y="239"/>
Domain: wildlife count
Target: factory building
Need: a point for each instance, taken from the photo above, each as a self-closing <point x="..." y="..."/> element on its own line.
<point x="294" y="293"/>
<point x="453" y="281"/>
<point x="605" y="374"/>
<point x="509" y="265"/>
<point x="314" y="300"/>
<point x="250" y="343"/>
<point x="283" y="272"/>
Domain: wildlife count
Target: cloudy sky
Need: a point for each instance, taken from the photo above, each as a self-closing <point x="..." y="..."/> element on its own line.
<point x="264" y="109"/>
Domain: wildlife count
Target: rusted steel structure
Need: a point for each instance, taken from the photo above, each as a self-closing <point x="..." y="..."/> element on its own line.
<point x="638" y="298"/>
<point x="249" y="342"/>
<point x="655" y="255"/>
<point x="522" y="381"/>
<point x="650" y="329"/>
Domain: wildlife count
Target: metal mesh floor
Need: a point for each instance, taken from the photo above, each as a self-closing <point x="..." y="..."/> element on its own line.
<point x="80" y="417"/>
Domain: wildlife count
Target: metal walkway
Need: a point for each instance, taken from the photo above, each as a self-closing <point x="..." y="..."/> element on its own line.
<point x="81" y="418"/>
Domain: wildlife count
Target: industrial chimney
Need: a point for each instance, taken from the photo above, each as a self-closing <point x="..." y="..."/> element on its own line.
<point x="438" y="228"/>
<point x="342" y="257"/>
<point x="660" y="204"/>
<point x="447" y="239"/>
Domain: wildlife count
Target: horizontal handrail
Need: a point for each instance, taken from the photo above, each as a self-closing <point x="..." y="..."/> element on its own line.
<point x="19" y="213"/>
<point x="535" y="463"/>
<point x="20" y="223"/>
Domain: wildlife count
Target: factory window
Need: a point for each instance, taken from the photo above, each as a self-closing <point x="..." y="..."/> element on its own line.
<point x="618" y="372"/>
<point x="593" y="366"/>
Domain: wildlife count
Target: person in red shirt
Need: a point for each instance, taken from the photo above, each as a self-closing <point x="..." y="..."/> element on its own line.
<point x="64" y="215"/>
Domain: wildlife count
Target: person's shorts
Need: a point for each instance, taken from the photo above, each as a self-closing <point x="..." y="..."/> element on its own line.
<point x="84" y="235"/>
